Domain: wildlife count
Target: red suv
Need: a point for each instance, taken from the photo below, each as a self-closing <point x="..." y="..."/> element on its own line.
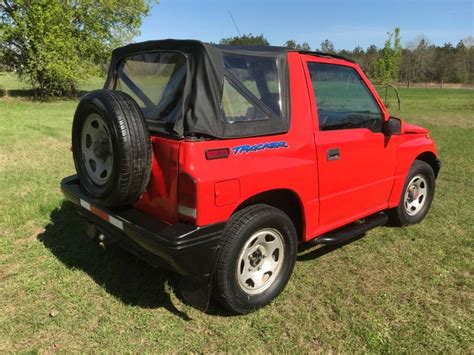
<point x="216" y="161"/>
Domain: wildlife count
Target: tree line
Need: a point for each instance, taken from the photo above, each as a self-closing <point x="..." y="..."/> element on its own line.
<point x="422" y="62"/>
<point x="417" y="62"/>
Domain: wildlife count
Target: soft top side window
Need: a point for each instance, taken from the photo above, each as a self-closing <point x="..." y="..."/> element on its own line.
<point x="259" y="77"/>
<point x="343" y="99"/>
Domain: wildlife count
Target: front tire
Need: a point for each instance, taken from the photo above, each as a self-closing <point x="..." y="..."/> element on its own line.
<point x="257" y="258"/>
<point x="417" y="195"/>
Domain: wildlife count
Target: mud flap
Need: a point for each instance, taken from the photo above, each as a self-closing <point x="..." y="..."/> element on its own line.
<point x="197" y="292"/>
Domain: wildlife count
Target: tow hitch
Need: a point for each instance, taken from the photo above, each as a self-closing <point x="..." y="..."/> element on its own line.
<point x="103" y="239"/>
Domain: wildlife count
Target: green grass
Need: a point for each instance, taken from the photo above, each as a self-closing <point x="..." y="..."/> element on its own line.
<point x="10" y="81"/>
<point x="395" y="290"/>
<point x="16" y="87"/>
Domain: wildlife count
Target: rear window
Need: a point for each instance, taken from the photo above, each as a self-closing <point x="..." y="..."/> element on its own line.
<point x="259" y="76"/>
<point x="156" y="81"/>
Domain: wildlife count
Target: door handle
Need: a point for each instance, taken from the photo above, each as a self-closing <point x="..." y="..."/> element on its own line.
<point x="334" y="154"/>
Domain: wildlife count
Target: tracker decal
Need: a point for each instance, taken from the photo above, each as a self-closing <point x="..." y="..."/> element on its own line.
<point x="257" y="147"/>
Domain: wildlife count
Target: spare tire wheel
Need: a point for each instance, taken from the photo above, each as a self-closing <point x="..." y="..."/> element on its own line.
<point x="111" y="148"/>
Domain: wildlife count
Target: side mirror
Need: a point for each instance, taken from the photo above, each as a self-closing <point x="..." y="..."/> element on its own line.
<point x="393" y="126"/>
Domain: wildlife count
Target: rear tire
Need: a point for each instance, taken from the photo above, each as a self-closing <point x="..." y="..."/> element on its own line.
<point x="257" y="258"/>
<point x="111" y="148"/>
<point x="417" y="195"/>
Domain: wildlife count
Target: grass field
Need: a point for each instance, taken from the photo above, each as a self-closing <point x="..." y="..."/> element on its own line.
<point x="395" y="290"/>
<point x="15" y="87"/>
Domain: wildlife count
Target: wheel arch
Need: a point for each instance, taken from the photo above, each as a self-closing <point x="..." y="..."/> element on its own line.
<point x="426" y="154"/>
<point x="431" y="159"/>
<point x="285" y="200"/>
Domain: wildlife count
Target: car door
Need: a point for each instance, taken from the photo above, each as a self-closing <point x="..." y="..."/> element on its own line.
<point x="356" y="164"/>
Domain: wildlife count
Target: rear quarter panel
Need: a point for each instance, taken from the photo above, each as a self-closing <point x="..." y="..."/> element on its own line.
<point x="160" y="198"/>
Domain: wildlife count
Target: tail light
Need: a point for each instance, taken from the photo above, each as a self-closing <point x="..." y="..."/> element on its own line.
<point x="187" y="198"/>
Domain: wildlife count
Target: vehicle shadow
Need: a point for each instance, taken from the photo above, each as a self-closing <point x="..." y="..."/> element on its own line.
<point x="125" y="276"/>
<point x="121" y="274"/>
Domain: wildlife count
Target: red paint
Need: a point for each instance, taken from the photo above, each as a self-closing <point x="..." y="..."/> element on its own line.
<point x="367" y="178"/>
<point x="227" y="192"/>
<point x="411" y="128"/>
<point x="160" y="199"/>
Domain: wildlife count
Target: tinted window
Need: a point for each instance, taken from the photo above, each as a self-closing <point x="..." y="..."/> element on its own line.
<point x="343" y="99"/>
<point x="156" y="81"/>
<point x="259" y="75"/>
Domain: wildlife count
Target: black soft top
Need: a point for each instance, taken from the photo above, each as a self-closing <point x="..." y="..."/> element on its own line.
<point x="200" y="112"/>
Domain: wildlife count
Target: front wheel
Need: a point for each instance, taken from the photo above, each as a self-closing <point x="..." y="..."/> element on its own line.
<point x="417" y="195"/>
<point x="257" y="258"/>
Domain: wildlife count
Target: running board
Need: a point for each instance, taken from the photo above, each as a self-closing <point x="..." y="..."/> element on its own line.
<point x="352" y="230"/>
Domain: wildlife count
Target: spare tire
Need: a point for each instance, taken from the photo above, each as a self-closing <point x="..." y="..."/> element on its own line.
<point x="111" y="147"/>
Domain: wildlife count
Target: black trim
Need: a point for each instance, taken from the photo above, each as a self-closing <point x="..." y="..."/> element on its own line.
<point x="185" y="249"/>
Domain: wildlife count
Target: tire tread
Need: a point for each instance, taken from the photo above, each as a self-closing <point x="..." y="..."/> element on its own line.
<point x="221" y="290"/>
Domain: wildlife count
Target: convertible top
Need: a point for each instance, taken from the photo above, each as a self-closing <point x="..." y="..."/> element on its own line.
<point x="200" y="112"/>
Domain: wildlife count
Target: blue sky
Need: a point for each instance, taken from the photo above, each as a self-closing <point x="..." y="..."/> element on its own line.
<point x="346" y="23"/>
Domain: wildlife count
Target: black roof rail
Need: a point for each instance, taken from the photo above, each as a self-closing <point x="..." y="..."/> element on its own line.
<point x="328" y="55"/>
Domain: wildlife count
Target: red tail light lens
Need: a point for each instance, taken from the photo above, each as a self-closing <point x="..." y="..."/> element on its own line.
<point x="186" y="198"/>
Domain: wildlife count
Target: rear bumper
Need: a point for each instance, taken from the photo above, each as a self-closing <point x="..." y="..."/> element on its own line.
<point x="187" y="250"/>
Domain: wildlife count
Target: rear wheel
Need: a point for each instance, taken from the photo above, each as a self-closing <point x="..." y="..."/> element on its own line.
<point x="417" y="195"/>
<point x="257" y="258"/>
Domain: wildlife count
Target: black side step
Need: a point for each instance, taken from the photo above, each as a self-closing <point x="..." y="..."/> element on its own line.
<point x="352" y="230"/>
